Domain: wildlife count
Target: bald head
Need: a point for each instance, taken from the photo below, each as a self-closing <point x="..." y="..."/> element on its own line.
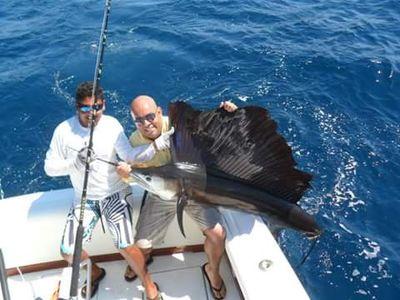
<point x="147" y="116"/>
<point x="141" y="103"/>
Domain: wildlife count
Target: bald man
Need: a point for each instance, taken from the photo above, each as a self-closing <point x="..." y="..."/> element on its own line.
<point x="157" y="214"/>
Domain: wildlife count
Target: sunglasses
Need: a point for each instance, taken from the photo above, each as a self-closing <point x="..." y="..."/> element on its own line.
<point x="149" y="118"/>
<point x="88" y="108"/>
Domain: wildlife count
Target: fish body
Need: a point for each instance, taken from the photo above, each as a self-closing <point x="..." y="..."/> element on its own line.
<point x="216" y="188"/>
<point x="231" y="159"/>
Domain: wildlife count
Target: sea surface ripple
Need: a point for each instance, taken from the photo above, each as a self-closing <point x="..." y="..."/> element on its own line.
<point x="328" y="71"/>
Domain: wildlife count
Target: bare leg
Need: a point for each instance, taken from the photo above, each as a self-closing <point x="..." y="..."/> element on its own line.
<point x="214" y="247"/>
<point x="136" y="261"/>
<point x="129" y="272"/>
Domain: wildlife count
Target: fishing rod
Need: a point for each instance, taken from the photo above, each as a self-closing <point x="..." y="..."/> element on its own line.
<point x="79" y="232"/>
<point x="3" y="278"/>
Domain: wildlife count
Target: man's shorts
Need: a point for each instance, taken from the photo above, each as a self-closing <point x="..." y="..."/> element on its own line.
<point x="157" y="214"/>
<point x="115" y="210"/>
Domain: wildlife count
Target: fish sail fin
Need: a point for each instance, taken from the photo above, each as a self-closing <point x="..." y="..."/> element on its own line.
<point x="244" y="144"/>
<point x="182" y="147"/>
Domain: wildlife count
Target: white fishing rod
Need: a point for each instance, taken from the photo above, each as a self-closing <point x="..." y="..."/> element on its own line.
<point x="79" y="232"/>
<point x="3" y="278"/>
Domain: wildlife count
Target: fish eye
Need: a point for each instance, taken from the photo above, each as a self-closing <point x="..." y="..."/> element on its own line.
<point x="148" y="178"/>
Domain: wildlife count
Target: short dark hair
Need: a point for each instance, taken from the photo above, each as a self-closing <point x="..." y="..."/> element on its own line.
<point x="85" y="89"/>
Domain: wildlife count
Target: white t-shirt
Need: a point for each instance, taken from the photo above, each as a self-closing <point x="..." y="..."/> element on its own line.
<point x="109" y="139"/>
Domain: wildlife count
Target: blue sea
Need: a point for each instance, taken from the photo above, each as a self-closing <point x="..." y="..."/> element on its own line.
<point x="328" y="72"/>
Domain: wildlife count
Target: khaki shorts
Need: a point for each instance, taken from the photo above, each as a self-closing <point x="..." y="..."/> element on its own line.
<point x="157" y="214"/>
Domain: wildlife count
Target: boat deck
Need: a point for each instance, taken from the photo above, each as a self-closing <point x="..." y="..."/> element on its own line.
<point x="179" y="276"/>
<point x="252" y="254"/>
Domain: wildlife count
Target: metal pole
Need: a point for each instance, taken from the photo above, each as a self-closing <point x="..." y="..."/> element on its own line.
<point x="79" y="231"/>
<point x="3" y="278"/>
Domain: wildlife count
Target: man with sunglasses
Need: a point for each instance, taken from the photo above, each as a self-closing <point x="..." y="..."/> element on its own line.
<point x="108" y="197"/>
<point x="156" y="213"/>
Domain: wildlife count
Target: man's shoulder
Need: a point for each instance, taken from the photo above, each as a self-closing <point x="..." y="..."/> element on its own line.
<point x="110" y="119"/>
<point x="135" y="133"/>
<point x="66" y="124"/>
<point x="136" y="138"/>
<point x="110" y="122"/>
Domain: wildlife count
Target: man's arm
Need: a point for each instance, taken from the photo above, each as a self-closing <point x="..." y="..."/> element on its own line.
<point x="141" y="153"/>
<point x="55" y="163"/>
<point x="133" y="154"/>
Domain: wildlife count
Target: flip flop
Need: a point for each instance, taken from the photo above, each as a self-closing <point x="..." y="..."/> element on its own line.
<point x="56" y="293"/>
<point x="158" y="297"/>
<point x="95" y="285"/>
<point x="214" y="290"/>
<point x="129" y="279"/>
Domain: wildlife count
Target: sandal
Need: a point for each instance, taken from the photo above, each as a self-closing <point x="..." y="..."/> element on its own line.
<point x="158" y="297"/>
<point x="94" y="286"/>
<point x="216" y="292"/>
<point x="55" y="295"/>
<point x="128" y="269"/>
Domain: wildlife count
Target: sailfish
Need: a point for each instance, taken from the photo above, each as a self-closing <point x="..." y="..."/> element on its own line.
<point x="234" y="159"/>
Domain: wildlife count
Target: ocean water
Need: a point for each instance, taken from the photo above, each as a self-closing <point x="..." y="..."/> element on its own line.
<point x="328" y="71"/>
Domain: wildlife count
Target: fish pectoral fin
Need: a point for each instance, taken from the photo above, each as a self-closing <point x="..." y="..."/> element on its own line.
<point x="180" y="205"/>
